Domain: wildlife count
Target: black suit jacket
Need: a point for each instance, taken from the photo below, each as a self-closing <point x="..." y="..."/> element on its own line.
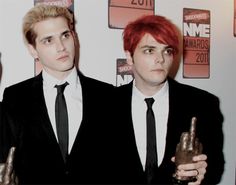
<point x="38" y="158"/>
<point x="184" y="103"/>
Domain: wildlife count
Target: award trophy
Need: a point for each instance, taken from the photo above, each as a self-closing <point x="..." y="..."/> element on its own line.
<point x="188" y="147"/>
<point x="7" y="175"/>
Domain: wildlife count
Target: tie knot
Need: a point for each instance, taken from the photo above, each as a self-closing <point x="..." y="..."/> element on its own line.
<point x="61" y="88"/>
<point x="149" y="102"/>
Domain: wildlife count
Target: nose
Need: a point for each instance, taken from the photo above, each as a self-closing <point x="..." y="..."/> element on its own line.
<point x="60" y="45"/>
<point x="159" y="58"/>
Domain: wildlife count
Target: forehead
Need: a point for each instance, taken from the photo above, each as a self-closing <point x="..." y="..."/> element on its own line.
<point x="149" y="40"/>
<point x="50" y="26"/>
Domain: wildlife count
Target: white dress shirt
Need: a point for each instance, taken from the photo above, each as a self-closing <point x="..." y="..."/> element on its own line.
<point x="73" y="96"/>
<point x="161" y="110"/>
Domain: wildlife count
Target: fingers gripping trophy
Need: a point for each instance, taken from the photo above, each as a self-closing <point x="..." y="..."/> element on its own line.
<point x="188" y="147"/>
<point x="7" y="175"/>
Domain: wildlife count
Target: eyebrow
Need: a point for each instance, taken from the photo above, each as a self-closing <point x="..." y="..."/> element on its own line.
<point x="169" y="47"/>
<point x="150" y="46"/>
<point x="67" y="31"/>
<point x="147" y="46"/>
<point x="49" y="37"/>
<point x="45" y="38"/>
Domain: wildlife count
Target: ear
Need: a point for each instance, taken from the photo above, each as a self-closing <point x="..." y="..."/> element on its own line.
<point x="129" y="58"/>
<point x="33" y="52"/>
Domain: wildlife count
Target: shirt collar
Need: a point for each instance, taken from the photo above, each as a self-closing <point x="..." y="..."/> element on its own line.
<point x="156" y="96"/>
<point x="49" y="81"/>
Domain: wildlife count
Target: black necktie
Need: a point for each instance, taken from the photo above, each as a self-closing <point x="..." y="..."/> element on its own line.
<point x="151" y="156"/>
<point x="62" y="120"/>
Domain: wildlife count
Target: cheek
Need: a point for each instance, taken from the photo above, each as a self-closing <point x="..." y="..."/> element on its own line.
<point x="47" y="51"/>
<point x="167" y="67"/>
<point x="168" y="61"/>
<point x="142" y="66"/>
<point x="46" y="55"/>
<point x="70" y="44"/>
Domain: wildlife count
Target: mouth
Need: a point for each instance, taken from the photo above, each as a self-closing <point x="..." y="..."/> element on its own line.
<point x="157" y="70"/>
<point x="63" y="57"/>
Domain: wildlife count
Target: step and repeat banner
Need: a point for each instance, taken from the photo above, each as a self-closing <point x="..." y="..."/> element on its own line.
<point x="196" y="35"/>
<point x="208" y="47"/>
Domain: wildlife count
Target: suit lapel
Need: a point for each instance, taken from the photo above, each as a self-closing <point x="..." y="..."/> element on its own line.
<point x="42" y="114"/>
<point x="174" y="117"/>
<point x="129" y="127"/>
<point x="86" y="98"/>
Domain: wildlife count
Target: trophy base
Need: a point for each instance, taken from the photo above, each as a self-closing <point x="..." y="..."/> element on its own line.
<point x="183" y="182"/>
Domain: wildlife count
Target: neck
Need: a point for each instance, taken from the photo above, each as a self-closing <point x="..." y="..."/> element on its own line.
<point x="149" y="89"/>
<point x="60" y="75"/>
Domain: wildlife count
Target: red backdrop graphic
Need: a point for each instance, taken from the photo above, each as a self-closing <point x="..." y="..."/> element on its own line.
<point x="124" y="72"/>
<point x="196" y="43"/>
<point x="67" y="3"/>
<point x="123" y="11"/>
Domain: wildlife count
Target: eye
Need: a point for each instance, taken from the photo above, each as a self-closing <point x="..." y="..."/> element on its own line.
<point x="169" y="51"/>
<point x="148" y="51"/>
<point x="66" y="35"/>
<point x="47" y="41"/>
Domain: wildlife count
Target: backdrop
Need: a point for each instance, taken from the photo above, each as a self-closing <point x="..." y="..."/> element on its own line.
<point x="208" y="28"/>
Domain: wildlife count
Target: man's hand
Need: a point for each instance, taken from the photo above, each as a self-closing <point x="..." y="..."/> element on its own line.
<point x="196" y="169"/>
<point x="7" y="175"/>
<point x="188" y="159"/>
<point x="189" y="146"/>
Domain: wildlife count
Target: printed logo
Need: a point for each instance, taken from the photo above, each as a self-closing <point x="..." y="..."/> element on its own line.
<point x="196" y="43"/>
<point x="124" y="73"/>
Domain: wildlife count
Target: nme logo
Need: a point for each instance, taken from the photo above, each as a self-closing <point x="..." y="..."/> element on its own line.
<point x="196" y="30"/>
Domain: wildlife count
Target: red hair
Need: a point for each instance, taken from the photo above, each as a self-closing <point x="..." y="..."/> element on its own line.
<point x="158" y="26"/>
